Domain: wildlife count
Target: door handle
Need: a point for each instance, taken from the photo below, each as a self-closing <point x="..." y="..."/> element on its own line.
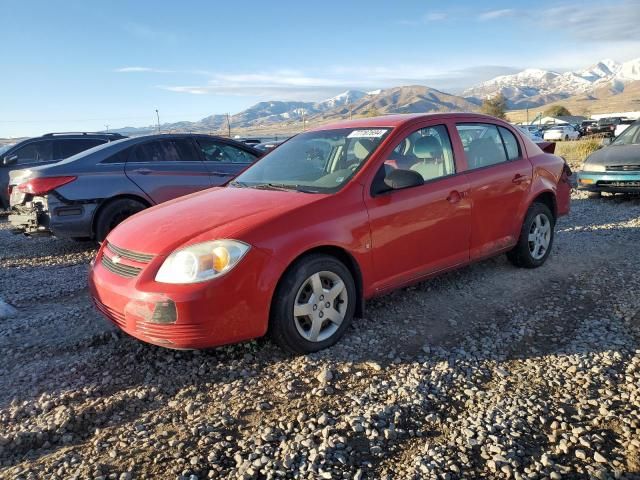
<point x="220" y="174"/>
<point x="455" y="196"/>
<point x="142" y="171"/>
<point x="519" y="178"/>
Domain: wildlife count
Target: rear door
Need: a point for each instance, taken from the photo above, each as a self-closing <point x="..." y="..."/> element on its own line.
<point x="167" y="168"/>
<point x="499" y="177"/>
<point x="223" y="160"/>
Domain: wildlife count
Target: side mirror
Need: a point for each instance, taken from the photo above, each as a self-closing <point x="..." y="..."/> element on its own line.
<point x="10" y="160"/>
<point x="608" y="141"/>
<point x="396" y="179"/>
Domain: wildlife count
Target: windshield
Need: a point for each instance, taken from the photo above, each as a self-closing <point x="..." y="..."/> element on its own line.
<point x="606" y="121"/>
<point x="630" y="136"/>
<point x="4" y="148"/>
<point x="321" y="161"/>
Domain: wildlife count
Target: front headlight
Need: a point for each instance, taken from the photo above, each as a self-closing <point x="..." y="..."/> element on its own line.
<point x="587" y="167"/>
<point x="202" y="261"/>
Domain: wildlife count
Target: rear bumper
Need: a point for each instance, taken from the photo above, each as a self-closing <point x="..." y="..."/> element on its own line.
<point x="50" y="215"/>
<point x="609" y="182"/>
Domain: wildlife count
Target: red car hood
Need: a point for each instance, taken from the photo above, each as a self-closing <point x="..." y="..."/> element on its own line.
<point x="161" y="229"/>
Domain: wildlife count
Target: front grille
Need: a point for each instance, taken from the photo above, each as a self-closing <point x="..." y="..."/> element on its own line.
<point x="128" y="254"/>
<point x="623" y="168"/>
<point x="110" y="313"/>
<point x="126" y="271"/>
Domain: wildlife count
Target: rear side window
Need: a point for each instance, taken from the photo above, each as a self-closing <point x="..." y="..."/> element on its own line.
<point x="68" y="148"/>
<point x="35" y="152"/>
<point x="120" y="157"/>
<point x="186" y="150"/>
<point x="510" y="143"/>
<point x="483" y="144"/>
<point x="156" y="151"/>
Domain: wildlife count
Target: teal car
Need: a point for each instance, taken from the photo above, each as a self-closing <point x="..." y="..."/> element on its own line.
<point x="614" y="168"/>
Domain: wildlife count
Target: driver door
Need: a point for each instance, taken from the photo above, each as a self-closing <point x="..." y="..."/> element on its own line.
<point x="423" y="229"/>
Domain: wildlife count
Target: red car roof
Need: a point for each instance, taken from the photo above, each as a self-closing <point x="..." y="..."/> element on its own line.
<point x="398" y="120"/>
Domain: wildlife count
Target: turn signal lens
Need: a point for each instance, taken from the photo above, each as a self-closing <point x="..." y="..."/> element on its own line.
<point x="586" y="181"/>
<point x="221" y="258"/>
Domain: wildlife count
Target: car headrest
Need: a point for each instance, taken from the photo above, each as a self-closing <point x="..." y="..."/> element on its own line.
<point x="362" y="148"/>
<point x="427" y="147"/>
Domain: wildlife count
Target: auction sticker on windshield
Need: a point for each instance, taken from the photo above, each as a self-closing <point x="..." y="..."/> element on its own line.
<point x="377" y="133"/>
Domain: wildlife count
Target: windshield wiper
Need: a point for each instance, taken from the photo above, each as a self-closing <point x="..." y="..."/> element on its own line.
<point x="284" y="187"/>
<point x="238" y="184"/>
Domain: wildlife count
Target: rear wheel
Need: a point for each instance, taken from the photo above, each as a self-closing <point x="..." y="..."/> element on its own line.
<point x="114" y="213"/>
<point x="313" y="304"/>
<point x="566" y="137"/>
<point x="536" y="238"/>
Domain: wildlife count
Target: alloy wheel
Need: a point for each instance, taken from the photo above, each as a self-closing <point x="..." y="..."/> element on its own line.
<point x="320" y="306"/>
<point x="539" y="236"/>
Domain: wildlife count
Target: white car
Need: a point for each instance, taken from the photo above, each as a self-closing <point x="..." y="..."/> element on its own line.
<point x="561" y="132"/>
<point x="529" y="132"/>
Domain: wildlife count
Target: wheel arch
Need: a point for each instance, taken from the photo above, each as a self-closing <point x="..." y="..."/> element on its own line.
<point x="343" y="256"/>
<point x="102" y="205"/>
<point x="547" y="198"/>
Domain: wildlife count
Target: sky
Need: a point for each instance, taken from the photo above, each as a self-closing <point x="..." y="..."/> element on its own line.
<point x="82" y="65"/>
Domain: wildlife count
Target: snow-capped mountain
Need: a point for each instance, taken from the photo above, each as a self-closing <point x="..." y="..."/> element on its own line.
<point x="344" y="98"/>
<point x="532" y="87"/>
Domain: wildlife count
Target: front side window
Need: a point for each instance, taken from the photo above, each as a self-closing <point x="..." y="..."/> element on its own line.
<point x="482" y="144"/>
<point x="426" y="151"/>
<point x="214" y="151"/>
<point x="35" y="152"/>
<point x="321" y="161"/>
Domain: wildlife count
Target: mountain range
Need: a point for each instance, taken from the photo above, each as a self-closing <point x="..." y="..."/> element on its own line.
<point x="534" y="87"/>
<point x="596" y="85"/>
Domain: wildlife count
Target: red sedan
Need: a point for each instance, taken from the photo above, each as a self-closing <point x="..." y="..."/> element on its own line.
<point x="334" y="216"/>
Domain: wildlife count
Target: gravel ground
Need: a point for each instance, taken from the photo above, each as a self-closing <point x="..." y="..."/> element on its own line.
<point x="490" y="371"/>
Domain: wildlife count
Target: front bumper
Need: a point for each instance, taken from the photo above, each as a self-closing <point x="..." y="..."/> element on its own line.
<point x="229" y="309"/>
<point x="609" y="182"/>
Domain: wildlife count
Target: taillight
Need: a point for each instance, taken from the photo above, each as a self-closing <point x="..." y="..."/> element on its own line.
<point x="42" y="186"/>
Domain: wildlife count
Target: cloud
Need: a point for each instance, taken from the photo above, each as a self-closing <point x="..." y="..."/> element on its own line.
<point x="495" y="14"/>
<point x="307" y="86"/>
<point x="435" y="16"/>
<point x="141" y="69"/>
<point x="616" y="23"/>
<point x="149" y="33"/>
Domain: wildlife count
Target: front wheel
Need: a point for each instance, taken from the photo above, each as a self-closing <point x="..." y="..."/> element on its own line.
<point x="313" y="304"/>
<point x="536" y="238"/>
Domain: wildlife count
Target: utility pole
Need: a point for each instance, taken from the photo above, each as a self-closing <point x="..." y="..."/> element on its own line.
<point x="158" y="119"/>
<point x="303" y="121"/>
<point x="107" y="127"/>
<point x="350" y="112"/>
<point x="228" y="125"/>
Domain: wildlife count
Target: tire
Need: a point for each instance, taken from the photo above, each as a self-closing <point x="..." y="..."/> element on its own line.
<point x="566" y="138"/>
<point x="533" y="253"/>
<point x="594" y="194"/>
<point x="296" y="333"/>
<point x="113" y="213"/>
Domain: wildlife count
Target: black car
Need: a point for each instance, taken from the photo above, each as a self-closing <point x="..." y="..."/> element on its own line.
<point x="85" y="196"/>
<point x="49" y="148"/>
<point x="583" y="129"/>
<point x="605" y="126"/>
